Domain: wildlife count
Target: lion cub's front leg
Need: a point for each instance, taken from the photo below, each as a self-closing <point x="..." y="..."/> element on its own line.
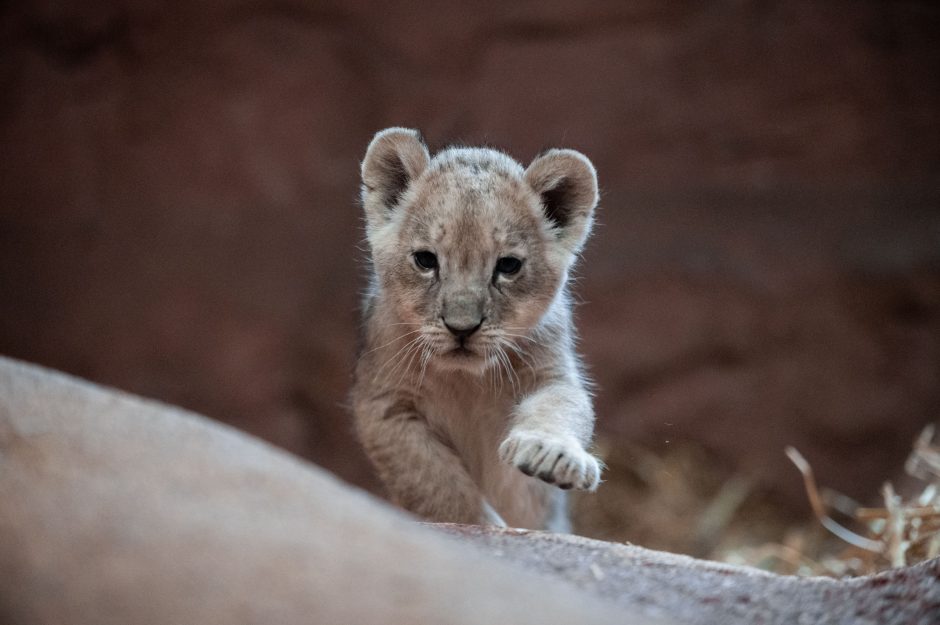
<point x="421" y="472"/>
<point x="550" y="429"/>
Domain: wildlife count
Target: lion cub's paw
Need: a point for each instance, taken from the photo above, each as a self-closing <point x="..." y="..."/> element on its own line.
<point x="557" y="460"/>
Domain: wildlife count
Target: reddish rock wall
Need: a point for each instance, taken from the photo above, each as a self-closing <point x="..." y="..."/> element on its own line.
<point x="178" y="212"/>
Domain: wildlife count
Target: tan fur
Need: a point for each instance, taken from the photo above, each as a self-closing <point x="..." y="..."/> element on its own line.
<point x="447" y="420"/>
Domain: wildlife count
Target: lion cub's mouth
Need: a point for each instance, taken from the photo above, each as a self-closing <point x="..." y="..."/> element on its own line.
<point x="462" y="351"/>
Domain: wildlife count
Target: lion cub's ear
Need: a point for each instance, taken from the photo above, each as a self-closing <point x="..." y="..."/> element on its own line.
<point x="394" y="159"/>
<point x="567" y="185"/>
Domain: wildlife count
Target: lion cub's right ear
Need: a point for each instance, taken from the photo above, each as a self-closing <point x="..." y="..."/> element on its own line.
<point x="394" y="159"/>
<point x="566" y="183"/>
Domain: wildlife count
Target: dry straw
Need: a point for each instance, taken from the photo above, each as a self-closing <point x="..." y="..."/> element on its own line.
<point x="902" y="532"/>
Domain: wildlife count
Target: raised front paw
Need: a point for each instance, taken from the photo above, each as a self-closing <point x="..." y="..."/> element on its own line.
<point x="557" y="460"/>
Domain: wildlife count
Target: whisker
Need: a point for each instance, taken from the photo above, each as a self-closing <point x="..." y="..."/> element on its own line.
<point x="393" y="358"/>
<point x="496" y="371"/>
<point x="514" y="375"/>
<point x="505" y="364"/>
<point x="395" y="340"/>
<point x="408" y="361"/>
<point x="514" y="372"/>
<point x="404" y="349"/>
<point x="520" y="353"/>
<point x="425" y="358"/>
<point x="519" y="336"/>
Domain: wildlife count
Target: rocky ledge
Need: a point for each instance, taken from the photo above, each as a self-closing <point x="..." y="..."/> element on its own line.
<point x="694" y="591"/>
<point x="122" y="510"/>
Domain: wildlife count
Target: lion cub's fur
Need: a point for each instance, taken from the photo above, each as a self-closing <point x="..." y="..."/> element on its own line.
<point x="469" y="397"/>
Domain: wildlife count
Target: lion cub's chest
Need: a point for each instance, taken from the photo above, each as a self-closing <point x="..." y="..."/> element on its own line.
<point x="469" y="416"/>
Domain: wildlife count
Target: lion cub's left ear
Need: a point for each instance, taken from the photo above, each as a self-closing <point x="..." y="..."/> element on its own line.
<point x="566" y="183"/>
<point x="394" y="159"/>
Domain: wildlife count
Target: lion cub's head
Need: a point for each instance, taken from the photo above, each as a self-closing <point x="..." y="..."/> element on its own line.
<point x="470" y="249"/>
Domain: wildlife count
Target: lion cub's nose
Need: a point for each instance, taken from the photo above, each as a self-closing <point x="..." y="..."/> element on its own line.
<point x="463" y="329"/>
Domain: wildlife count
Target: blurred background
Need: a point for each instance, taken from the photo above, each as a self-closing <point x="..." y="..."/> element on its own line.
<point x="178" y="218"/>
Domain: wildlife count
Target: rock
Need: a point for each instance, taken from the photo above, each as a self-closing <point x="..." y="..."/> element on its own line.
<point x="696" y="592"/>
<point x="119" y="510"/>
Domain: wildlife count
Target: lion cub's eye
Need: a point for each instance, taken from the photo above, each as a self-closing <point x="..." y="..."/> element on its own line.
<point x="425" y="260"/>
<point x="508" y="265"/>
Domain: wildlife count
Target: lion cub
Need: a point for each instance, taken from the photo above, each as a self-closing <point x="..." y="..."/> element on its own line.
<point x="468" y="385"/>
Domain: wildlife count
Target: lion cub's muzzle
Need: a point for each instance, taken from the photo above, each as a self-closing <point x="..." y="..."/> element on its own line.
<point x="463" y="316"/>
<point x="463" y="332"/>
